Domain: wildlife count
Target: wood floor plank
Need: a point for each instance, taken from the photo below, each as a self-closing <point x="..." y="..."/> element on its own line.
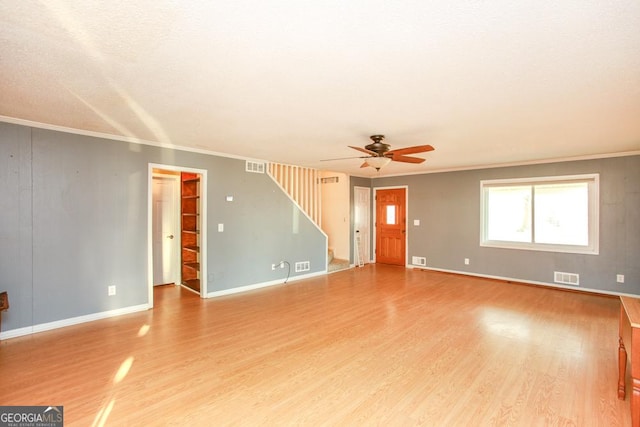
<point x="378" y="345"/>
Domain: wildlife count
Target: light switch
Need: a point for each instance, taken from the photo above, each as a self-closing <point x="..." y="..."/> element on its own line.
<point x="220" y="228"/>
<point x="229" y="198"/>
<point x="416" y="222"/>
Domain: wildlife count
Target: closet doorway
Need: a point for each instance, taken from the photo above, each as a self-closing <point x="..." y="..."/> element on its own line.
<point x="177" y="233"/>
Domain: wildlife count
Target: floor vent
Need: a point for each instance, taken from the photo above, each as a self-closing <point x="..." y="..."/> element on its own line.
<point x="566" y="278"/>
<point x="255" y="167"/>
<point x="303" y="266"/>
<point x="419" y="260"/>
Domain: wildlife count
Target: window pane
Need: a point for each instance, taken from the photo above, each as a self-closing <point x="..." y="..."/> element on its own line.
<point x="562" y="214"/>
<point x="391" y="215"/>
<point x="552" y="213"/>
<point x="509" y="214"/>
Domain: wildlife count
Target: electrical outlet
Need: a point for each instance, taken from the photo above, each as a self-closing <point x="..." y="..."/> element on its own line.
<point x="111" y="290"/>
<point x="466" y="261"/>
<point x="620" y="278"/>
<point x="273" y="266"/>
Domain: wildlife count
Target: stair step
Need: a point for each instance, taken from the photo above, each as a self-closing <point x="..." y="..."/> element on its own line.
<point x="338" y="264"/>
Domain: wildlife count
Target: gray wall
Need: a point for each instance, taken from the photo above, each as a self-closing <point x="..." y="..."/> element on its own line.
<point x="73" y="220"/>
<point x="448" y="207"/>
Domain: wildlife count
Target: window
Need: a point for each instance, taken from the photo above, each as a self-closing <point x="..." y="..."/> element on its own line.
<point x="391" y="215"/>
<point x="557" y="214"/>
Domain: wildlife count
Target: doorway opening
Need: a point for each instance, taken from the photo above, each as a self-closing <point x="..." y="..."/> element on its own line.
<point x="177" y="228"/>
<point x="334" y="218"/>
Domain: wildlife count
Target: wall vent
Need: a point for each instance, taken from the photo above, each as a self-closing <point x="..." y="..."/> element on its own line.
<point x="255" y="167"/>
<point x="566" y="278"/>
<point x="302" y="266"/>
<point x="329" y="180"/>
<point x="419" y="260"/>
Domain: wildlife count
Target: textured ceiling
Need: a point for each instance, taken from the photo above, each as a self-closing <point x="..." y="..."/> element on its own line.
<point x="485" y="83"/>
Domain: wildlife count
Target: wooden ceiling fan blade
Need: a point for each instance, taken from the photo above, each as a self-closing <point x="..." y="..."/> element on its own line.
<point x="412" y="150"/>
<point x="406" y="159"/>
<point x="364" y="150"/>
<point x="380" y="154"/>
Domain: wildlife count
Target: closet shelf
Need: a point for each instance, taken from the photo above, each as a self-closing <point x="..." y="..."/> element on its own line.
<point x="190" y="216"/>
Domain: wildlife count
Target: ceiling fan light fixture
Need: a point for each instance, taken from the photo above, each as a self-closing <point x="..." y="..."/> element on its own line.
<point x="377" y="162"/>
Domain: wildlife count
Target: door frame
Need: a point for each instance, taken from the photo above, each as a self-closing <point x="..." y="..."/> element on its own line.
<point x="203" y="225"/>
<point x="406" y="214"/>
<point x="367" y="242"/>
<point x="175" y="179"/>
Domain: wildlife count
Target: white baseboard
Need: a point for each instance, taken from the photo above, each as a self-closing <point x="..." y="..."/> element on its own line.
<point x="13" y="333"/>
<point x="255" y="286"/>
<point x="526" y="282"/>
<point x="16" y="333"/>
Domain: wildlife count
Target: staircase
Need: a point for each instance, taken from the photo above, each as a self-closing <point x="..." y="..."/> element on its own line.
<point x="336" y="264"/>
<point x="303" y="186"/>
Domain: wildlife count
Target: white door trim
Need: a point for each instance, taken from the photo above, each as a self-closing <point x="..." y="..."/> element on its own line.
<point x="203" y="225"/>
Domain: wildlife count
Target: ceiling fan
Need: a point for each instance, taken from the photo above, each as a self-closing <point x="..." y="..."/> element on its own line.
<point x="380" y="154"/>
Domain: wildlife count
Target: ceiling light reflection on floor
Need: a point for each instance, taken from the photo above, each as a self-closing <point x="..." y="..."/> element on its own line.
<point x="505" y="323"/>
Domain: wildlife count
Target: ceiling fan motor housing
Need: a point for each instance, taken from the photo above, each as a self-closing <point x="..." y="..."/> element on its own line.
<point x="378" y="146"/>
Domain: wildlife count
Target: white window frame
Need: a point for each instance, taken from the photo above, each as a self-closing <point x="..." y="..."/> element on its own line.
<point x="593" y="181"/>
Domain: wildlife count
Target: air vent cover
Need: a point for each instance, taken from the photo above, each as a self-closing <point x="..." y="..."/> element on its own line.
<point x="419" y="260"/>
<point x="566" y="278"/>
<point x="302" y="266"/>
<point x="255" y="167"/>
<point x="329" y="180"/>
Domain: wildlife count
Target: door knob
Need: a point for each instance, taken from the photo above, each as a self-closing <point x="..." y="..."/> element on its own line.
<point x="170" y="236"/>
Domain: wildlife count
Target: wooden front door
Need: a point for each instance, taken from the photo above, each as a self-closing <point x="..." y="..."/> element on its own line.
<point x="391" y="226"/>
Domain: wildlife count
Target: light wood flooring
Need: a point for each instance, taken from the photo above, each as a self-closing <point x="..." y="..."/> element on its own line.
<point x="377" y="345"/>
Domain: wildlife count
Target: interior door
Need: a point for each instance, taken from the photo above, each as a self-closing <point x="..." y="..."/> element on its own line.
<point x="362" y="215"/>
<point x="391" y="226"/>
<point x="166" y="235"/>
